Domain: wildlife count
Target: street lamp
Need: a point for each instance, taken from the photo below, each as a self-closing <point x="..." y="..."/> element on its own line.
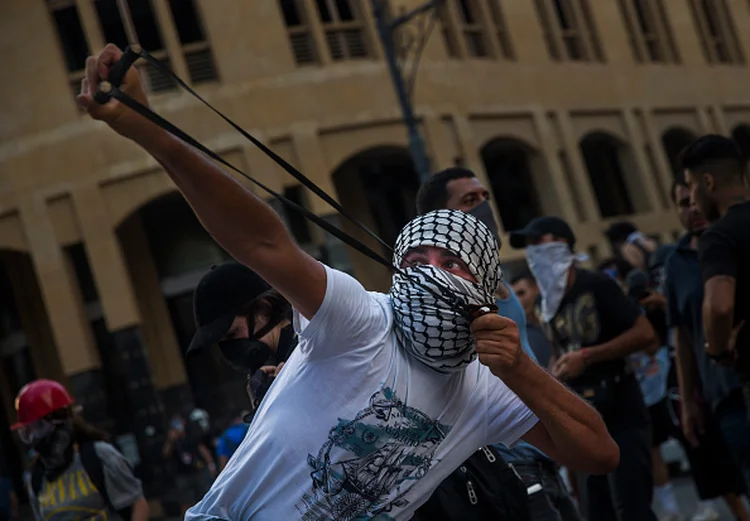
<point x="398" y="41"/>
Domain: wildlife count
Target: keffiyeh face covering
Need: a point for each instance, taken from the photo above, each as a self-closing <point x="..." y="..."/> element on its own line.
<point x="429" y="328"/>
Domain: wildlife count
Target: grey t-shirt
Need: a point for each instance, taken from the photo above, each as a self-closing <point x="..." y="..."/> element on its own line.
<point x="73" y="497"/>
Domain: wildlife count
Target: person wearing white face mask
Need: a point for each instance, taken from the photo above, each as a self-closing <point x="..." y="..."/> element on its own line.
<point x="593" y="328"/>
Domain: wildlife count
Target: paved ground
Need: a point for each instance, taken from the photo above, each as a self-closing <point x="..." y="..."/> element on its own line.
<point x="684" y="487"/>
<point x="688" y="500"/>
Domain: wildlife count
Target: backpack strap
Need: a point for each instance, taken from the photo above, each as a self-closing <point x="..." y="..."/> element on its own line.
<point x="94" y="467"/>
<point x="37" y="476"/>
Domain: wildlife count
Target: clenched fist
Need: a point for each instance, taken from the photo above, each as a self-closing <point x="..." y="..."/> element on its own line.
<point x="121" y="118"/>
<point x="498" y="343"/>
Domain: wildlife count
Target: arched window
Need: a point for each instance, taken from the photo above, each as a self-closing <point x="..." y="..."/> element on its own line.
<point x="607" y="161"/>
<point x="384" y="180"/>
<point x="674" y="141"/>
<point x="508" y="166"/>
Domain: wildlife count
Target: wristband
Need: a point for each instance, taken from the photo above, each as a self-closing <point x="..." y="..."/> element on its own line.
<point x="585" y="356"/>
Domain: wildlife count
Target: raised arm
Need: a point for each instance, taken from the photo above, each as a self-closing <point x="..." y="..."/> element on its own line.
<point x="246" y="227"/>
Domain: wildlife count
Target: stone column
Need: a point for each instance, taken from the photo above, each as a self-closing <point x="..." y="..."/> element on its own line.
<point x="71" y="331"/>
<point x="164" y="354"/>
<point x="637" y="142"/>
<point x="550" y="149"/>
<point x="590" y="208"/>
<point x="124" y="326"/>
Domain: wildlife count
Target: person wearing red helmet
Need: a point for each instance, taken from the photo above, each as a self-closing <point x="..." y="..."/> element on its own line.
<point x="78" y="474"/>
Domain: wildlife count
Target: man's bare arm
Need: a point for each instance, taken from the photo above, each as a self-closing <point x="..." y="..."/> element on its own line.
<point x="640" y="337"/>
<point x="569" y="431"/>
<point x="718" y="313"/>
<point x="241" y="223"/>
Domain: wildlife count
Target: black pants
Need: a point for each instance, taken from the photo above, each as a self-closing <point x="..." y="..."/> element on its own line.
<point x="552" y="502"/>
<point x="712" y="466"/>
<point x="626" y="493"/>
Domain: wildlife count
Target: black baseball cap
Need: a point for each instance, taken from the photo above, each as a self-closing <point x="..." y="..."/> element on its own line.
<point x="542" y="226"/>
<point x="219" y="296"/>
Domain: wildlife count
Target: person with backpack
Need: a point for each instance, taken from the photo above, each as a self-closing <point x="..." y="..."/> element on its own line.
<point x="78" y="474"/>
<point x="231" y="438"/>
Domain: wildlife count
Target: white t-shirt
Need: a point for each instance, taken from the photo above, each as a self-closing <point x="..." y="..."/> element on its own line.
<point x="353" y="428"/>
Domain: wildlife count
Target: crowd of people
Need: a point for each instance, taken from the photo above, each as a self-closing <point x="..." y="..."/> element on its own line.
<point x="462" y="393"/>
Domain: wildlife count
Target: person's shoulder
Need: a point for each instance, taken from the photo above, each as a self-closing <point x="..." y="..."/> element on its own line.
<point x="106" y="451"/>
<point x="341" y="281"/>
<point x="736" y="219"/>
<point x="721" y="232"/>
<point x="587" y="278"/>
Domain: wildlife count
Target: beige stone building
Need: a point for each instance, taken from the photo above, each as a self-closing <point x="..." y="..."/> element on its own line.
<point x="569" y="107"/>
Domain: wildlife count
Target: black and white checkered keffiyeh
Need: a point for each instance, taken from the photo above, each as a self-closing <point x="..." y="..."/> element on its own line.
<point x="430" y="328"/>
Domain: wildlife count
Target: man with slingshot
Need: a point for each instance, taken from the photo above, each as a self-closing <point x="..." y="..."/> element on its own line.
<point x="385" y="394"/>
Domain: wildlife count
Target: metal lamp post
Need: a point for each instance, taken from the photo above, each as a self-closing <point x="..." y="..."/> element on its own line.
<point x="399" y="40"/>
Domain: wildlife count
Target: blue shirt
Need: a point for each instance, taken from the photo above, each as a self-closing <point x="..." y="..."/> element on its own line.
<point x="652" y="373"/>
<point x="511" y="307"/>
<point x="684" y="291"/>
<point x="231" y="439"/>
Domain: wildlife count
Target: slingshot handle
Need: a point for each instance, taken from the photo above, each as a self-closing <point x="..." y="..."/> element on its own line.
<point x="117" y="73"/>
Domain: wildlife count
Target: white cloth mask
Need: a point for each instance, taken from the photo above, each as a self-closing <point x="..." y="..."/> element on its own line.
<point x="550" y="263"/>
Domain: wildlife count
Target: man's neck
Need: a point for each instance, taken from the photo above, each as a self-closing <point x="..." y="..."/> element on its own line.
<point x="733" y="196"/>
<point x="693" y="242"/>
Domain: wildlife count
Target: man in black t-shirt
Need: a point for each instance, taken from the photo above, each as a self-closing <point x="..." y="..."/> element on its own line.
<point x="593" y="327"/>
<point x="715" y="174"/>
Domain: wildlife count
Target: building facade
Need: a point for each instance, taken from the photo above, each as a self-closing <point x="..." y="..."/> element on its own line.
<point x="577" y="108"/>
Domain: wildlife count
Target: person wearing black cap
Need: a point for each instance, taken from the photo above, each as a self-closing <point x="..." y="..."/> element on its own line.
<point x="593" y="327"/>
<point x="250" y="322"/>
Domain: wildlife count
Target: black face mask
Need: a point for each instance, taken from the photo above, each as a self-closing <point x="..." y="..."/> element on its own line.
<point x="259" y="382"/>
<point x="247" y="355"/>
<point x="483" y="212"/>
<point x="56" y="450"/>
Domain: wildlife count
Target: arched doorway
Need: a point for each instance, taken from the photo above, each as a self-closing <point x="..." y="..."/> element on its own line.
<point x="377" y="186"/>
<point x="741" y="135"/>
<point x="508" y="163"/>
<point x="675" y="140"/>
<point x="610" y="167"/>
<point x="167" y="252"/>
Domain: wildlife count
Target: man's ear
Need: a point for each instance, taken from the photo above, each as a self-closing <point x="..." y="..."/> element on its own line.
<point x="709" y="182"/>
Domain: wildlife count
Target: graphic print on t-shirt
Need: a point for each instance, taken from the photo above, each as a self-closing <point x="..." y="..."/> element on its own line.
<point x="366" y="466"/>
<point x="72" y="496"/>
<point x="577" y="323"/>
